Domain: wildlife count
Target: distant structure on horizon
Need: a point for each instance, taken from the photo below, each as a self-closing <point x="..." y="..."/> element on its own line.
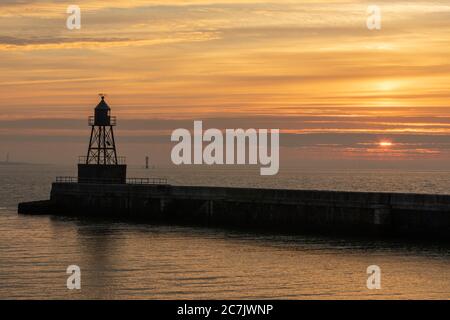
<point x="101" y="164"/>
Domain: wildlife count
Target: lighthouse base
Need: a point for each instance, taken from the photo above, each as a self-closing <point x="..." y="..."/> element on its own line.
<point x="95" y="173"/>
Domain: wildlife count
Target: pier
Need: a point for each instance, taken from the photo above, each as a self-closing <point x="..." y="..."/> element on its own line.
<point x="296" y="211"/>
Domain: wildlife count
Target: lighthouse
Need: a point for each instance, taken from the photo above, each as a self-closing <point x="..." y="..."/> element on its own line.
<point x="101" y="164"/>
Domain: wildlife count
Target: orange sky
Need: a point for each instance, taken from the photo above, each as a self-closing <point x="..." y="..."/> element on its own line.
<point x="309" y="68"/>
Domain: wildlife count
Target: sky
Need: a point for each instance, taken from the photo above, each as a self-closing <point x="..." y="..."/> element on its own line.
<point x="339" y="92"/>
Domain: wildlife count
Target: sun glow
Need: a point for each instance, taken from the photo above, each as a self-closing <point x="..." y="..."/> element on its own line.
<point x="385" y="144"/>
<point x="387" y="85"/>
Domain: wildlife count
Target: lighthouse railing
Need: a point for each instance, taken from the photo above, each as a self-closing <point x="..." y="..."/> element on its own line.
<point x="112" y="121"/>
<point x="84" y="160"/>
<point x="134" y="181"/>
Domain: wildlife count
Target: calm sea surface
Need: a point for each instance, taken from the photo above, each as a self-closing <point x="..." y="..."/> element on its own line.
<point x="139" y="261"/>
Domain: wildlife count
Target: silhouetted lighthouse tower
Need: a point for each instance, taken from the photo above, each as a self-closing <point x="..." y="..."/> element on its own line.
<point x="102" y="147"/>
<point x="102" y="163"/>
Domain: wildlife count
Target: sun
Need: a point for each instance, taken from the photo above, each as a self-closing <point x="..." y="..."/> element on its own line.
<point x="387" y="85"/>
<point x="385" y="144"/>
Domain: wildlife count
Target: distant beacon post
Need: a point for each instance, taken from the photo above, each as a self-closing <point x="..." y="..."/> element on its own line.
<point x="102" y="165"/>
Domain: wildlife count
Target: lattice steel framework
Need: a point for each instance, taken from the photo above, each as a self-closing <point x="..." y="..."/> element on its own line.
<point x="102" y="146"/>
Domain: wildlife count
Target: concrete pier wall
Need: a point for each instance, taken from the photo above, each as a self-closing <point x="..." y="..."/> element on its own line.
<point x="290" y="210"/>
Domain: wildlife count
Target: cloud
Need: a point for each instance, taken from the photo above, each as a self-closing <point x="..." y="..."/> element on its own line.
<point x="14" y="41"/>
<point x="309" y="68"/>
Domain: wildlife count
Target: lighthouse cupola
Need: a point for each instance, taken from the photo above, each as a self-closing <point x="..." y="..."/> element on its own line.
<point x="102" y="113"/>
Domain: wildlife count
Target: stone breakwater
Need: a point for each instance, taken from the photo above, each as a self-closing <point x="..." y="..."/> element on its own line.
<point x="416" y="215"/>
